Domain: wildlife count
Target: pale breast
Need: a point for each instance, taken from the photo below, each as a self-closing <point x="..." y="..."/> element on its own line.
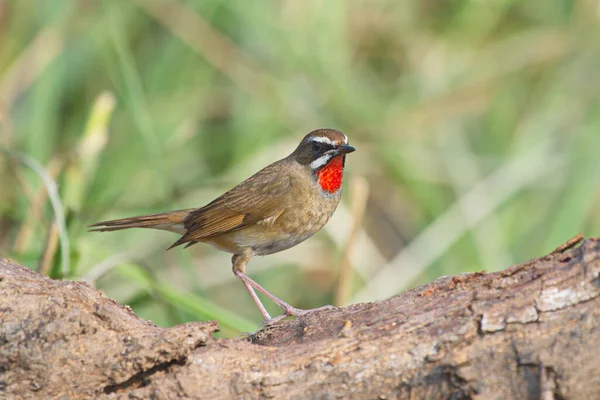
<point x="295" y="224"/>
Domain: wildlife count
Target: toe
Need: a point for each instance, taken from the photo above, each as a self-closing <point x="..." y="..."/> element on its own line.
<point x="297" y="312"/>
<point x="271" y="321"/>
<point x="327" y="307"/>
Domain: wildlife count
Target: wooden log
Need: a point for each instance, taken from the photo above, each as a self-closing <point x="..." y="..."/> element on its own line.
<point x="528" y="332"/>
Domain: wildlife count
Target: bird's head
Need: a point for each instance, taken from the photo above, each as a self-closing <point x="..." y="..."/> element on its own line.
<point x="324" y="151"/>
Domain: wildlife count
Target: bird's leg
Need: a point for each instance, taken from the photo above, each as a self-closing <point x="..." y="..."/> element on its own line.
<point x="287" y="308"/>
<point x="257" y="301"/>
<point x="239" y="266"/>
<point x="239" y="270"/>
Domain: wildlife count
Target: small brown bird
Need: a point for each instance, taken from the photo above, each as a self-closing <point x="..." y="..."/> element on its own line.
<point x="280" y="206"/>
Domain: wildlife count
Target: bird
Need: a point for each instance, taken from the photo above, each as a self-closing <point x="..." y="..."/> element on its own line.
<point x="275" y="209"/>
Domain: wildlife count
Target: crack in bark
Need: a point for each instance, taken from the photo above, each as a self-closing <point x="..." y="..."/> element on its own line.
<point x="477" y="319"/>
<point x="549" y="387"/>
<point x="458" y="387"/>
<point x="141" y="379"/>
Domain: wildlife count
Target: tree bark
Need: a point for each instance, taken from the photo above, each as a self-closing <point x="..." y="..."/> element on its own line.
<point x="528" y="332"/>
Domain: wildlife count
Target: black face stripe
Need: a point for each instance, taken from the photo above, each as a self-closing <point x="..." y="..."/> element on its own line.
<point x="319" y="148"/>
<point x="312" y="148"/>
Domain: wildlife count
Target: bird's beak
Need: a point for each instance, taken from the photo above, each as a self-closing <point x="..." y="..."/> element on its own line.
<point x="344" y="149"/>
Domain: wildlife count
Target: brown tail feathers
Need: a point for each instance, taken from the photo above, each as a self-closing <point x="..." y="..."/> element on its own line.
<point x="170" y="221"/>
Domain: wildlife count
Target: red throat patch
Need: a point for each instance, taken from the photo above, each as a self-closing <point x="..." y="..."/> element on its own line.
<point x="330" y="176"/>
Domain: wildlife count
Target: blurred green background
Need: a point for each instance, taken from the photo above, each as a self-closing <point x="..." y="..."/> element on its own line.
<point x="476" y="123"/>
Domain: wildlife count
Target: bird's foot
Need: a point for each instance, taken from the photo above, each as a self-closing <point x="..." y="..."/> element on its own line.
<point x="293" y="312"/>
<point x="270" y="321"/>
<point x="298" y="312"/>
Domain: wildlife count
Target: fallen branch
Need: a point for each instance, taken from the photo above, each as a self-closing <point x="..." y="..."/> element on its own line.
<point x="529" y="331"/>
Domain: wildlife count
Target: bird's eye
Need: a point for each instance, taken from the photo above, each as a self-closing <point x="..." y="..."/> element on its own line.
<point x="316" y="146"/>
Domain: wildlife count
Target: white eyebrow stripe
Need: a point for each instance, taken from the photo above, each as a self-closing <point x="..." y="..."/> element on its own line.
<point x="319" y="162"/>
<point x="323" y="139"/>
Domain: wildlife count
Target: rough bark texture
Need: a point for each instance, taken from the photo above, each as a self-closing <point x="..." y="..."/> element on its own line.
<point x="529" y="332"/>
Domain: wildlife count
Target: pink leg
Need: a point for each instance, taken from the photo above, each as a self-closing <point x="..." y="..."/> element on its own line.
<point x="288" y="309"/>
<point x="254" y="296"/>
<point x="239" y="266"/>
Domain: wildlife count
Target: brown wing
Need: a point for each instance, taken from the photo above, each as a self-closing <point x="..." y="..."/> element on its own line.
<point x="248" y="203"/>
